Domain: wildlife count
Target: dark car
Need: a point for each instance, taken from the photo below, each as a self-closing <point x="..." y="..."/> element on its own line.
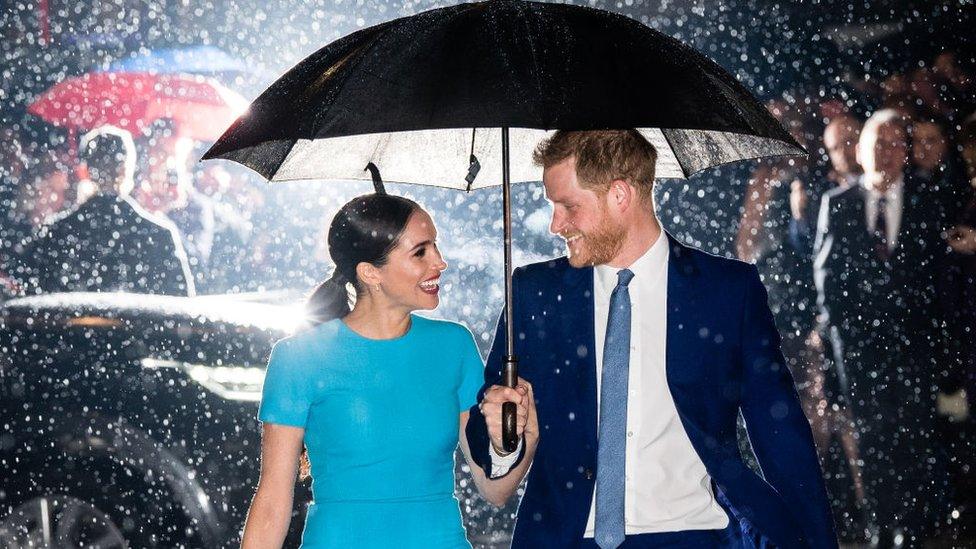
<point x="129" y="420"/>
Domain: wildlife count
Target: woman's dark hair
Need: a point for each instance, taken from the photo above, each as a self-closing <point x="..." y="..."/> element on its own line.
<point x="366" y="229"/>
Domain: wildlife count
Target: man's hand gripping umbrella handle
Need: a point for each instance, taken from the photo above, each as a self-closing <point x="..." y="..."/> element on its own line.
<point x="510" y="437"/>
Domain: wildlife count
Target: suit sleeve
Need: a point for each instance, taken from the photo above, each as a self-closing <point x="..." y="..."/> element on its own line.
<point x="477" y="430"/>
<point x="778" y="431"/>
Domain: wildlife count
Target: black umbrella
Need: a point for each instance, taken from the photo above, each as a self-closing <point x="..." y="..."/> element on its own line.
<point x="459" y="96"/>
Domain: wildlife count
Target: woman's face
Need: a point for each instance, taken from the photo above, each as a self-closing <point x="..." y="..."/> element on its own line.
<point x="411" y="277"/>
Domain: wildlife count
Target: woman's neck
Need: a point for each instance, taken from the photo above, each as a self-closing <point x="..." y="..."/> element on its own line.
<point x="374" y="321"/>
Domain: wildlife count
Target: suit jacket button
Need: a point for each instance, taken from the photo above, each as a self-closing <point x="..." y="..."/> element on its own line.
<point x="588" y="473"/>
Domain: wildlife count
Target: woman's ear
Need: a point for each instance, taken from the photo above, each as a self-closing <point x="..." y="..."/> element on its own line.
<point x="368" y="274"/>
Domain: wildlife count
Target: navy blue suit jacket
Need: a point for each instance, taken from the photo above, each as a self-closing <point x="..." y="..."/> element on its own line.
<point x="722" y="357"/>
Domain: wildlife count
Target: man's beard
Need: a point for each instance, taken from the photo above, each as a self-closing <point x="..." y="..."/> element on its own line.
<point x="599" y="246"/>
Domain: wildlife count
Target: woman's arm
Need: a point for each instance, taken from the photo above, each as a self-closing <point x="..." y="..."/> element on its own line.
<point x="498" y="491"/>
<point x="270" y="513"/>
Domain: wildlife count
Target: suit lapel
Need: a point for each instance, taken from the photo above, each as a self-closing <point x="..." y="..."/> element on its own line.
<point x="579" y="331"/>
<point x="683" y="344"/>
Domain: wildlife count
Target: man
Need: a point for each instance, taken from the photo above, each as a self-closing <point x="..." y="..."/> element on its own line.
<point x="642" y="352"/>
<point x="840" y="139"/>
<point x="108" y="243"/>
<point x="934" y="168"/>
<point x="877" y="249"/>
<point x="168" y="191"/>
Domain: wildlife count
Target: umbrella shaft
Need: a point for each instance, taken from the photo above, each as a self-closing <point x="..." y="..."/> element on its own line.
<point x="507" y="205"/>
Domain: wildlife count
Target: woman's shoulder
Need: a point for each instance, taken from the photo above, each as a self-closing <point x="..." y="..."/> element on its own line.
<point x="310" y="339"/>
<point x="441" y="328"/>
<point x="440" y="324"/>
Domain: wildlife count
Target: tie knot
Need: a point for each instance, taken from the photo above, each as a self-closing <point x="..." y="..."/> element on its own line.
<point x="624" y="276"/>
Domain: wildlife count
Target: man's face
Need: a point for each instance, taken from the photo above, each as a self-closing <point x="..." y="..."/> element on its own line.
<point x="886" y="152"/>
<point x="581" y="217"/>
<point x="164" y="190"/>
<point x="928" y="146"/>
<point x="840" y="140"/>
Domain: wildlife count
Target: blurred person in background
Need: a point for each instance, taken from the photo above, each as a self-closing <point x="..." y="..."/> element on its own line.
<point x="877" y="250"/>
<point x="168" y="190"/>
<point x="896" y="94"/>
<point x="962" y="266"/>
<point x="45" y="190"/>
<point x="934" y="166"/>
<point x="960" y="306"/>
<point x="775" y="233"/>
<point x="108" y="243"/>
<point x="924" y="89"/>
<point x="216" y="191"/>
<point x="840" y="140"/>
<point x="775" y="204"/>
<point x="41" y="195"/>
<point x="955" y="85"/>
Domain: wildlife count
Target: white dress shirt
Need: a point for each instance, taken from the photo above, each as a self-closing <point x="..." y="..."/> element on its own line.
<point x="893" y="207"/>
<point x="667" y="486"/>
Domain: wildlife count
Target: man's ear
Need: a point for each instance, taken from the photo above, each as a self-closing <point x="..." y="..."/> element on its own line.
<point x="621" y="195"/>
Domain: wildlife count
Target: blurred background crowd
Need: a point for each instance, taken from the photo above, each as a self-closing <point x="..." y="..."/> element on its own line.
<point x="867" y="246"/>
<point x="868" y="256"/>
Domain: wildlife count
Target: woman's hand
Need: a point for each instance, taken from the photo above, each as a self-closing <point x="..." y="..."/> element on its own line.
<point x="499" y="490"/>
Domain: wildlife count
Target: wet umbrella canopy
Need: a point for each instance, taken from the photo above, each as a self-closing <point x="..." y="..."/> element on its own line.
<point x="485" y="66"/>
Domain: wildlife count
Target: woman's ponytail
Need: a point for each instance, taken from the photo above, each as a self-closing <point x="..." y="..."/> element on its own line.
<point x="330" y="300"/>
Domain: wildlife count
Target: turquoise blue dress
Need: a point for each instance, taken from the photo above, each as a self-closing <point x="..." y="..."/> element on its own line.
<point x="381" y="427"/>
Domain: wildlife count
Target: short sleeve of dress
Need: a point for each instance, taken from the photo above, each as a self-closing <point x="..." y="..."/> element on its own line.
<point x="472" y="370"/>
<point x="285" y="398"/>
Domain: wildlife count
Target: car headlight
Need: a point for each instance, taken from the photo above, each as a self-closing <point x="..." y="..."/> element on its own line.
<point x="242" y="383"/>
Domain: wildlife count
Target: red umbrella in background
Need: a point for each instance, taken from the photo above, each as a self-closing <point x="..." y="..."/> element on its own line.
<point x="200" y="107"/>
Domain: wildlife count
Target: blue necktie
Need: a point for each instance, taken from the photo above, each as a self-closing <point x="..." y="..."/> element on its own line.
<point x="612" y="447"/>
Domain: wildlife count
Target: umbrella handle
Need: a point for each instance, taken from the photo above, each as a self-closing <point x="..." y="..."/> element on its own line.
<point x="510" y="437"/>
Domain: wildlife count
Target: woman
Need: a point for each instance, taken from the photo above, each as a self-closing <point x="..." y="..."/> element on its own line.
<point x="379" y="397"/>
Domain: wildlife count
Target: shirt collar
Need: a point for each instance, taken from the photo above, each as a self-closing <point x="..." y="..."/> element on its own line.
<point x="893" y="192"/>
<point x="647" y="268"/>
